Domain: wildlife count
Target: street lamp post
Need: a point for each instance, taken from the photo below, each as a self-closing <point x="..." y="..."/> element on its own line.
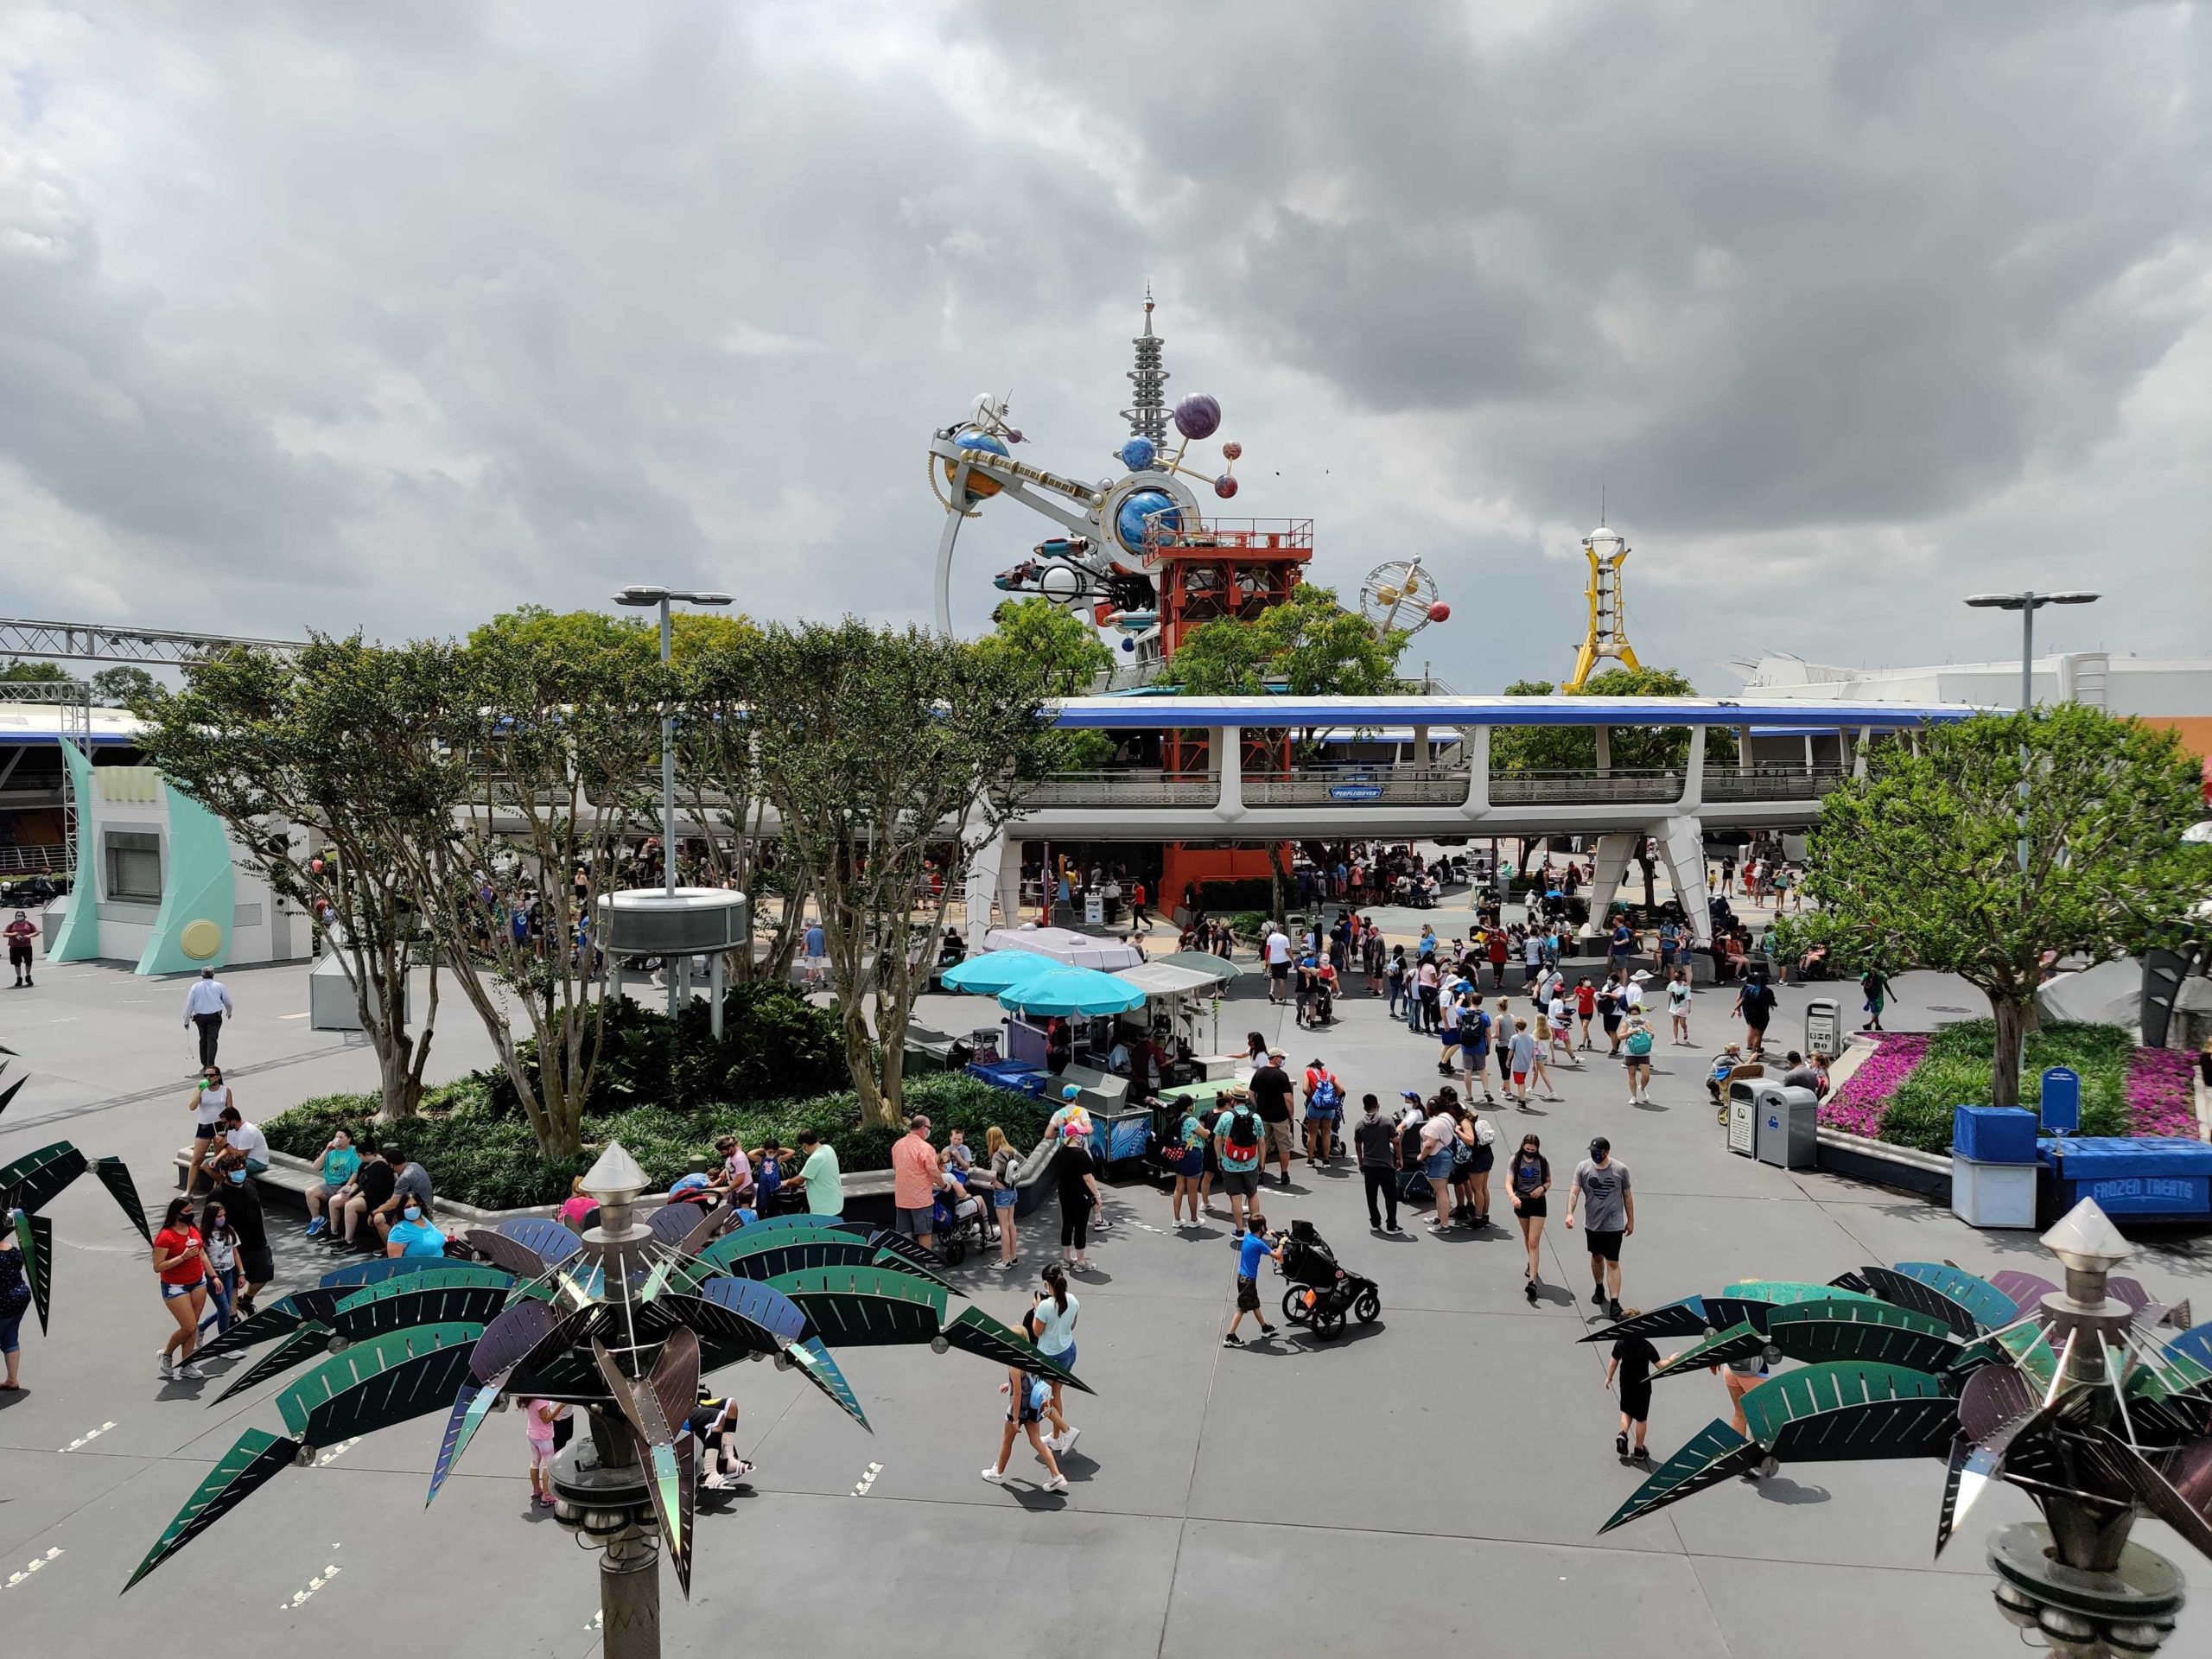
<point x="2027" y="604"/>
<point x="641" y="595"/>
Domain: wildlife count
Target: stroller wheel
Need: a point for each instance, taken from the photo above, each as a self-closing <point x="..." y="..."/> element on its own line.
<point x="1328" y="1324"/>
<point x="955" y="1251"/>
<point x="1369" y="1307"/>
<point x="1295" y="1308"/>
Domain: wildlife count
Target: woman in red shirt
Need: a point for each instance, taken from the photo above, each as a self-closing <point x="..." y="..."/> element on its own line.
<point x="181" y="1266"/>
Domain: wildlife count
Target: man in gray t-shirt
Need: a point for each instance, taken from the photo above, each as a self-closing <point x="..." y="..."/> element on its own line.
<point x="1601" y="1188"/>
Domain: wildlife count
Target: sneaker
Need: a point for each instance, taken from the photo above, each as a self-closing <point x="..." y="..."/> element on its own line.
<point x="318" y="1227"/>
<point x="1598" y="1297"/>
<point x="191" y="1373"/>
<point x="1620" y="1446"/>
<point x="1232" y="1340"/>
<point x="995" y="1476"/>
<point x="1057" y="1483"/>
<point x="1641" y="1454"/>
<point x="1529" y="1289"/>
<point x="1266" y="1329"/>
<point x="1285" y="1181"/>
<point x="169" y="1367"/>
<point x="1613" y="1311"/>
<point x="1066" y="1443"/>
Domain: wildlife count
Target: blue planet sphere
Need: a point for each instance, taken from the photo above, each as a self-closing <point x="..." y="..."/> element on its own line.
<point x="1138" y="454"/>
<point x="1135" y="508"/>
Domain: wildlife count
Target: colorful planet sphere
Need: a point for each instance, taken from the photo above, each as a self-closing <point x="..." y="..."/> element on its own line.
<point x="1135" y="508"/>
<point x="1198" y="416"/>
<point x="1138" y="454"/>
<point x="1439" y="612"/>
<point x="980" y="488"/>
<point x="1232" y="450"/>
<point x="1225" y="485"/>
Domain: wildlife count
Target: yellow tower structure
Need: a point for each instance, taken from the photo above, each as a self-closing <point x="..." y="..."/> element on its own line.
<point x="1608" y="633"/>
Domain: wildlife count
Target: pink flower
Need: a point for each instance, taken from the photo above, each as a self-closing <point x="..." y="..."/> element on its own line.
<point x="2160" y="1098"/>
<point x="1860" y="1106"/>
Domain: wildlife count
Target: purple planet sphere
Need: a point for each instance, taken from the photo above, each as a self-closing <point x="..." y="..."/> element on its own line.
<point x="1198" y="416"/>
<point x="1224" y="486"/>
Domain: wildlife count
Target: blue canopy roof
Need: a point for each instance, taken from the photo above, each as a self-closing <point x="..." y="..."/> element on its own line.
<point x="1072" y="991"/>
<point x="996" y="970"/>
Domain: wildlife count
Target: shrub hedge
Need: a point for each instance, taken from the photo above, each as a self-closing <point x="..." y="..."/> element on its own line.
<point x="481" y="1155"/>
<point x="1955" y="1071"/>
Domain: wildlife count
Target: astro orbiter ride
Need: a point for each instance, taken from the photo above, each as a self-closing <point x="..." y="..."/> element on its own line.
<point x="2069" y="1395"/>
<point x="1132" y="548"/>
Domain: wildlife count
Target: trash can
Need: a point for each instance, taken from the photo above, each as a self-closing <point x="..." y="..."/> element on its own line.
<point x="1823" y="1028"/>
<point x="1993" y="1167"/>
<point x="1743" y="1119"/>
<point x="1789" y="1125"/>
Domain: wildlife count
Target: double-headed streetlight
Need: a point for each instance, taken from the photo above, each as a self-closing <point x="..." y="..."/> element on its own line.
<point x="642" y="595"/>
<point x="2027" y="604"/>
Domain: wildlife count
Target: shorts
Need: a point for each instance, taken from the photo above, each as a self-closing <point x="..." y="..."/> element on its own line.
<point x="541" y="1453"/>
<point x="1248" y="1294"/>
<point x="1532" y="1209"/>
<point x="1632" y="1061"/>
<point x="1520" y="1079"/>
<point x="1240" y="1183"/>
<point x="170" y="1293"/>
<point x="1024" y="1413"/>
<point x="1280" y="1138"/>
<point x="1190" y="1162"/>
<point x="1065" y="1359"/>
<point x="1482" y="1162"/>
<point x="1612" y="1024"/>
<point x="260" y="1266"/>
<point x="1325" y="1114"/>
<point x="19" y="953"/>
<point x="1438" y="1164"/>
<point x="1004" y="1198"/>
<point x="1279" y="971"/>
<point x="203" y="1131"/>
<point x="1606" y="1245"/>
<point x="1474" y="1056"/>
<point x="1636" y="1402"/>
<point x="914" y="1222"/>
<point x="11" y="1325"/>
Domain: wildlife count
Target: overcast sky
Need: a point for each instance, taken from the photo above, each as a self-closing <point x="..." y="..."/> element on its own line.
<point x="393" y="315"/>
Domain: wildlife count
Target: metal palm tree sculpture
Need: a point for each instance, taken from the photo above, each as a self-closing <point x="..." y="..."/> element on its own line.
<point x="2069" y="1395"/>
<point x="30" y="1183"/>
<point x="622" y="1321"/>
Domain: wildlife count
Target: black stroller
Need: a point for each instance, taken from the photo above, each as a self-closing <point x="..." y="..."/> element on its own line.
<point x="1321" y="1293"/>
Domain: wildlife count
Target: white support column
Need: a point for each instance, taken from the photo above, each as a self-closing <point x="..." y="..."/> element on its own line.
<point x="1476" y="742"/>
<point x="1681" y="846"/>
<point x="1229" y="768"/>
<point x="1420" y="746"/>
<point x="1604" y="751"/>
<point x="1858" y="752"/>
<point x="1694" y="772"/>
<point x="987" y="875"/>
<point x="1606" y="868"/>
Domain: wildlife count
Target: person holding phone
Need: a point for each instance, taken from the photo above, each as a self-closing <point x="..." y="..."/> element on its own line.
<point x="181" y="1268"/>
<point x="208" y="1098"/>
<point x="338" y="1163"/>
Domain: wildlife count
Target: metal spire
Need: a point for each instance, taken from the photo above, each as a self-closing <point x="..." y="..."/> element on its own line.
<point x="1148" y="416"/>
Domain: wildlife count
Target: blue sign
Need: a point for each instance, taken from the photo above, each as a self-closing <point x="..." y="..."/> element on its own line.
<point x="2062" y="1100"/>
<point x="1355" y="793"/>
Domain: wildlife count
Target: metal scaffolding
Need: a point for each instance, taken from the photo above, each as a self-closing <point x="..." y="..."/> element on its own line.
<point x="100" y="642"/>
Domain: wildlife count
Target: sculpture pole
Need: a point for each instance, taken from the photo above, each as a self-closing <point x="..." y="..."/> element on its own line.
<point x="629" y="1568"/>
<point x="2074" y="1577"/>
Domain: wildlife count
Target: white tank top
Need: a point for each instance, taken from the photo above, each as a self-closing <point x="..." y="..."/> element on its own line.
<point x="209" y="1107"/>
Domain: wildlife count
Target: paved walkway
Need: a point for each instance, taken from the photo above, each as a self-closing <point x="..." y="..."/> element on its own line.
<point x="1436" y="1481"/>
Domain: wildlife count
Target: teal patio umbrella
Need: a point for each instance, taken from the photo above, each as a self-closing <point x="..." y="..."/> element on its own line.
<point x="1071" y="992"/>
<point x="995" y="971"/>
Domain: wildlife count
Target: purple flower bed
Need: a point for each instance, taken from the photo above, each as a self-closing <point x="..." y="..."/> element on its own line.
<point x="1861" y="1105"/>
<point x="2160" y="1093"/>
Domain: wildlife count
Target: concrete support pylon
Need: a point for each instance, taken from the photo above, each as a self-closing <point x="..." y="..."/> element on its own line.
<point x="1606" y="868"/>
<point x="993" y="877"/>
<point x="1681" y="847"/>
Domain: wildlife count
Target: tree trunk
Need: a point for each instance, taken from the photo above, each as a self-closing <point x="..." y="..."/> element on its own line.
<point x="2014" y="1015"/>
<point x="1276" y="876"/>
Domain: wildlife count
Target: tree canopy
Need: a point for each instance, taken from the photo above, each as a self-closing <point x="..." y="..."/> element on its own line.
<point x="1308" y="645"/>
<point x="886" y="753"/>
<point x="114" y="687"/>
<point x="1633" y="748"/>
<point x="1917" y="864"/>
<point x="36" y="674"/>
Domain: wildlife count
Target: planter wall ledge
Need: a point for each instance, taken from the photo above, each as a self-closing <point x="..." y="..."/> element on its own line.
<point x="1860" y="1159"/>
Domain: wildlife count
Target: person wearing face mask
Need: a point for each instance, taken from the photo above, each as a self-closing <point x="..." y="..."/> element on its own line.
<point x="241" y="1200"/>
<point x="415" y="1234"/>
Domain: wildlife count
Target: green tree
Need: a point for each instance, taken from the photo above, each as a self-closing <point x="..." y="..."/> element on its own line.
<point x="36" y="674"/>
<point x="1633" y="748"/>
<point x="319" y="765"/>
<point x="1917" y="864"/>
<point x="114" y="687"/>
<point x="1065" y="652"/>
<point x="1308" y="645"/>
<point x="552" y="725"/>
<point x="886" y="753"/>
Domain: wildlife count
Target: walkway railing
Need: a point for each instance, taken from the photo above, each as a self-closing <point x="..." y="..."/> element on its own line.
<point x="1119" y="789"/>
<point x="1342" y="785"/>
<point x="33" y="861"/>
<point x="1584" y="787"/>
<point x="1772" y="783"/>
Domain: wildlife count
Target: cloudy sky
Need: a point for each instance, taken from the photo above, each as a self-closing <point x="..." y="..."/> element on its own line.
<point x="394" y="316"/>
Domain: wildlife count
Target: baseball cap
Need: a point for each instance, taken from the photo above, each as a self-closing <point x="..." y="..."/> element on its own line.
<point x="1599" y="1147"/>
<point x="1414" y="1094"/>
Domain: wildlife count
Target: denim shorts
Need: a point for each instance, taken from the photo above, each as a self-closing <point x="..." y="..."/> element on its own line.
<point x="1438" y="1164"/>
<point x="170" y="1293"/>
<point x="1003" y="1198"/>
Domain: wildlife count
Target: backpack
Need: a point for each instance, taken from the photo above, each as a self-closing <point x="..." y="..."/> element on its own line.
<point x="1243" y="1133"/>
<point x="1639" y="1043"/>
<point x="1325" y="1093"/>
